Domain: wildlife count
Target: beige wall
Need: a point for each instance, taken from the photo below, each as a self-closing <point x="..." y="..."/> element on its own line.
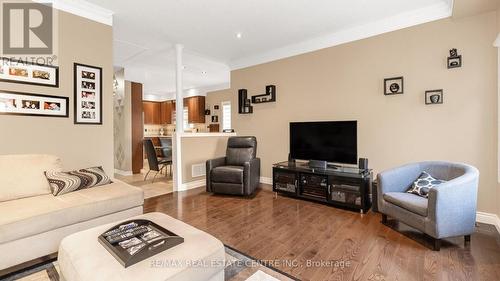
<point x="197" y="150"/>
<point x="79" y="146"/>
<point x="346" y="83"/>
<point x="216" y="98"/>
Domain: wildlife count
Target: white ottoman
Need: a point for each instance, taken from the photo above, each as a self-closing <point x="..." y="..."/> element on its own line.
<point x="200" y="257"/>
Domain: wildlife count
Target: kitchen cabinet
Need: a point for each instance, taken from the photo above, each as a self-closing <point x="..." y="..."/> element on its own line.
<point x="160" y="113"/>
<point x="214" y="128"/>
<point x="196" y="109"/>
<point x="152" y="112"/>
<point x="166" y="109"/>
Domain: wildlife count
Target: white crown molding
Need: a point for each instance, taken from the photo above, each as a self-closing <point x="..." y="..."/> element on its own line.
<point x="400" y="21"/>
<point x="83" y="9"/>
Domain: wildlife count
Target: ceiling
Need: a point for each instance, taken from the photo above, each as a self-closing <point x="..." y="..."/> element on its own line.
<point x="145" y="33"/>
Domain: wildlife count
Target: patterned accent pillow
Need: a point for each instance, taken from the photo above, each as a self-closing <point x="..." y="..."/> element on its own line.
<point x="65" y="182"/>
<point x="423" y="184"/>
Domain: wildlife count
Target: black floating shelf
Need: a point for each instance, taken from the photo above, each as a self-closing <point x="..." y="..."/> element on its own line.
<point x="269" y="96"/>
<point x="271" y="99"/>
<point x="244" y="103"/>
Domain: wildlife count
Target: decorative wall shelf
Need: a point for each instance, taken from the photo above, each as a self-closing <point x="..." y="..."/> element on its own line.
<point x="269" y="96"/>
<point x="245" y="104"/>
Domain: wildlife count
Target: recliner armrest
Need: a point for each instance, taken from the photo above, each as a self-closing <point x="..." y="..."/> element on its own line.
<point x="251" y="175"/>
<point x="211" y="164"/>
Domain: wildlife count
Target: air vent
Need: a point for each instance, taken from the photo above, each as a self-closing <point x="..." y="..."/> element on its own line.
<point x="198" y="170"/>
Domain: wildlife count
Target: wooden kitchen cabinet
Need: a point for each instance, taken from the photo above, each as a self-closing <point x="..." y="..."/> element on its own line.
<point x="152" y="112"/>
<point x="196" y="109"/>
<point x="166" y="109"/>
<point x="160" y="113"/>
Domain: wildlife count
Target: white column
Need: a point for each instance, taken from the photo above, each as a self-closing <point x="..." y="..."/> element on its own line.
<point x="179" y="117"/>
<point x="179" y="102"/>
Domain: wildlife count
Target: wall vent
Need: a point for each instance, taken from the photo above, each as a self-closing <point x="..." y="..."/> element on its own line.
<point x="198" y="170"/>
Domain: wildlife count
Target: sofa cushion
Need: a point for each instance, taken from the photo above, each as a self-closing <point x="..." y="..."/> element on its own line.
<point x="408" y="201"/>
<point x="64" y="182"/>
<point x="423" y="184"/>
<point x="33" y="215"/>
<point x="23" y="175"/>
<point x="229" y="174"/>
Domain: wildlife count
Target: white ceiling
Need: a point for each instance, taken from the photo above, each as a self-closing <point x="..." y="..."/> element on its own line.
<point x="146" y="31"/>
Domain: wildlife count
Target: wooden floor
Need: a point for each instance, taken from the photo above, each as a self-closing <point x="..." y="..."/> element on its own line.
<point x="296" y="236"/>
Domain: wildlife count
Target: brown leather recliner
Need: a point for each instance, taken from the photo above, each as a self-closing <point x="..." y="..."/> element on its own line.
<point x="239" y="172"/>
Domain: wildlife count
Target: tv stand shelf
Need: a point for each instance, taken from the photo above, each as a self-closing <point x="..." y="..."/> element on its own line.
<point x="346" y="187"/>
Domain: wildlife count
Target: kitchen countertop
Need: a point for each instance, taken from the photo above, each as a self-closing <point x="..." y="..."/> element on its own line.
<point x="156" y="136"/>
<point x="195" y="135"/>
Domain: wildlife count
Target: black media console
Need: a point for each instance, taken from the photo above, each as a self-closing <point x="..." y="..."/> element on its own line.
<point x="347" y="187"/>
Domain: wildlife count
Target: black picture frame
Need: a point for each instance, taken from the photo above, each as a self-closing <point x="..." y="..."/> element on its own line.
<point x="216" y="107"/>
<point x="4" y="74"/>
<point x="454" y="62"/>
<point x="394" y="86"/>
<point x="80" y="90"/>
<point x="40" y="98"/>
<point x="215" y="119"/>
<point x="434" y="96"/>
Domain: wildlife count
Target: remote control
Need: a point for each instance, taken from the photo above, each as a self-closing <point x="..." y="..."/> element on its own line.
<point x="115" y="238"/>
<point x="121" y="228"/>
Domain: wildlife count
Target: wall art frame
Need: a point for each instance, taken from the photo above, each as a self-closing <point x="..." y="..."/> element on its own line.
<point x="29" y="104"/>
<point x="23" y="72"/>
<point x="87" y="94"/>
<point x="394" y="86"/>
<point x="434" y="96"/>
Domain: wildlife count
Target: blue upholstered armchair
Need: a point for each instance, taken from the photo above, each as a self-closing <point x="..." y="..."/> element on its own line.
<point x="449" y="210"/>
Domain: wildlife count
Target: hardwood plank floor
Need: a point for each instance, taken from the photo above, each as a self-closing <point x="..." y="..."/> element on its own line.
<point x="296" y="236"/>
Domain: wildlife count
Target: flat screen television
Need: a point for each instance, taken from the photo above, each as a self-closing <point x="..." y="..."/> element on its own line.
<point x="334" y="141"/>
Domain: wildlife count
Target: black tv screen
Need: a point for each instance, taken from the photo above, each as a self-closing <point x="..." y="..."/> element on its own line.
<point x="335" y="141"/>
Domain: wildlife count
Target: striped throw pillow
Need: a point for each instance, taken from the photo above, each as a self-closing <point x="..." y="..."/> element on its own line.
<point x="65" y="182"/>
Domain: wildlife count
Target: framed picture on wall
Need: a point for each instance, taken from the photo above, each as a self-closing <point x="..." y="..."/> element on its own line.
<point x="393" y="86"/>
<point x="16" y="71"/>
<point x="434" y="97"/>
<point x="17" y="103"/>
<point x="88" y="94"/>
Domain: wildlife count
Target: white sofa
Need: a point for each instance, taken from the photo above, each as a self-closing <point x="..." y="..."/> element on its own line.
<point x="33" y="221"/>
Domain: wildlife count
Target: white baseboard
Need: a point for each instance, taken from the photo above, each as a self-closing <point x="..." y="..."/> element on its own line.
<point x="202" y="182"/>
<point x="192" y="184"/>
<point x="266" y="180"/>
<point x="123" y="173"/>
<point x="488" y="218"/>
